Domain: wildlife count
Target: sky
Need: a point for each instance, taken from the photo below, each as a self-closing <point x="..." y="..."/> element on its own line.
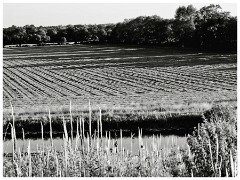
<point x="50" y="14"/>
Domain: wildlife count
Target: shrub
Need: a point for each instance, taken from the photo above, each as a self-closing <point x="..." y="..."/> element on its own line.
<point x="214" y="143"/>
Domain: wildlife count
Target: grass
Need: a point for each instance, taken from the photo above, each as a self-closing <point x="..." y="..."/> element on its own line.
<point x="128" y="119"/>
<point x="214" y="155"/>
<point x="130" y="88"/>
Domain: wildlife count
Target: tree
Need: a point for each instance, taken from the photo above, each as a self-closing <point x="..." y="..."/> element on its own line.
<point x="82" y="33"/>
<point x="47" y="39"/>
<point x="63" y="40"/>
<point x="230" y="34"/>
<point x="156" y="30"/>
<point x="52" y="33"/>
<point x="93" y="33"/>
<point x="31" y="33"/>
<point x="208" y="28"/>
<point x="109" y="32"/>
<point x="41" y="36"/>
<point x="211" y="27"/>
<point x="71" y="33"/>
<point x="101" y="33"/>
<point x="16" y="35"/>
<point x="61" y="32"/>
<point x="183" y="25"/>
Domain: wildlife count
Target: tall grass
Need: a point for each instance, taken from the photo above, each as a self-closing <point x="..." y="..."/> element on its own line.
<point x="92" y="155"/>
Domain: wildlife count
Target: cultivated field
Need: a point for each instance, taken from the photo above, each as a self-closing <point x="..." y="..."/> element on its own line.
<point x="115" y="77"/>
<point x="88" y="92"/>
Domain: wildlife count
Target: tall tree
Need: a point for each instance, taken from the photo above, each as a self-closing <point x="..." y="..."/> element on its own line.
<point x="71" y="31"/>
<point x="183" y="25"/>
<point x="52" y="33"/>
<point x="211" y="26"/>
<point x="82" y="33"/>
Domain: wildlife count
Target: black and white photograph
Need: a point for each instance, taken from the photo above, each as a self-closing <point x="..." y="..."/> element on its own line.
<point x="123" y="89"/>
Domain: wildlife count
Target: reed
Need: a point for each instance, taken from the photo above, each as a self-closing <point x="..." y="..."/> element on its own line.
<point x="71" y="120"/>
<point x="94" y="157"/>
<point x="50" y="124"/>
<point x="83" y="128"/>
<point x="121" y="143"/>
<point x="65" y="129"/>
<point x="131" y="143"/>
<point x="13" y="143"/>
<point x="42" y="137"/>
<point x="77" y="135"/>
<point x="211" y="156"/>
<point x="217" y="154"/>
<point x="23" y="137"/>
<point x="232" y="164"/>
<point x="13" y="128"/>
<point x="100" y="120"/>
<point x="29" y="160"/>
<point x="80" y="127"/>
<point x="90" y="119"/>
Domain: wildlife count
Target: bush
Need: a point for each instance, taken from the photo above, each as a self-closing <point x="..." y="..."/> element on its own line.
<point x="214" y="144"/>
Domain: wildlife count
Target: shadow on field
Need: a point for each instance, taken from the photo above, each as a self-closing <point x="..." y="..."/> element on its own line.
<point x="79" y="57"/>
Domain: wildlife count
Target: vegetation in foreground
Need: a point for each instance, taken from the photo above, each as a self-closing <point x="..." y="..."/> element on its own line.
<point x="211" y="152"/>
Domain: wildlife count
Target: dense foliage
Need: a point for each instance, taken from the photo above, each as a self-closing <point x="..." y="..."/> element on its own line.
<point x="214" y="144"/>
<point x="208" y="28"/>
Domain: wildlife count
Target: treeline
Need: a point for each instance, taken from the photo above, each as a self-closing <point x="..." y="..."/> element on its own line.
<point x="207" y="28"/>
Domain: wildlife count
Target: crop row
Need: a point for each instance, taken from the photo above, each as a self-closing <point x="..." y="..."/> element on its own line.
<point x="32" y="82"/>
<point x="39" y="82"/>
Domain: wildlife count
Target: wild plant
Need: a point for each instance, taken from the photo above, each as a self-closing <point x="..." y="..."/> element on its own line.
<point x="214" y="143"/>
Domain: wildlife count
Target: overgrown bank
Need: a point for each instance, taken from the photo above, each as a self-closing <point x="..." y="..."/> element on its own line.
<point x="166" y="123"/>
<point x="211" y="152"/>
